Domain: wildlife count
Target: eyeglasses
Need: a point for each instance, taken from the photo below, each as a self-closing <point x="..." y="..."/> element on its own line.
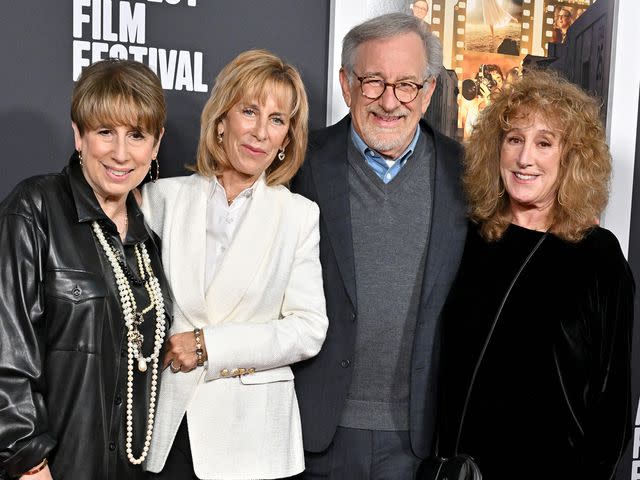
<point x="373" y="88"/>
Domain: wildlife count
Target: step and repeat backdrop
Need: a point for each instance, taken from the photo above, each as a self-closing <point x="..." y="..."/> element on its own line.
<point x="45" y="45"/>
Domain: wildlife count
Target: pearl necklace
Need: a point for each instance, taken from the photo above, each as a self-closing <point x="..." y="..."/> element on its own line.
<point x="132" y="320"/>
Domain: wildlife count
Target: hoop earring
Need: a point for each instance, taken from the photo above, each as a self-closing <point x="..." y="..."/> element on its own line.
<point x="501" y="194"/>
<point x="281" y="154"/>
<point x="155" y="177"/>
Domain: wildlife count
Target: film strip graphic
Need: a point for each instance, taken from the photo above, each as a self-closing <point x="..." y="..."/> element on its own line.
<point x="437" y="18"/>
<point x="459" y="30"/>
<point x="526" y="33"/>
<point x="459" y="22"/>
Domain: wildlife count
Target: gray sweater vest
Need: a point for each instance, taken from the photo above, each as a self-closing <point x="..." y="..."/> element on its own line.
<point x="390" y="228"/>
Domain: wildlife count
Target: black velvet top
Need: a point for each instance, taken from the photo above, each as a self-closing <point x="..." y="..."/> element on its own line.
<point x="552" y="397"/>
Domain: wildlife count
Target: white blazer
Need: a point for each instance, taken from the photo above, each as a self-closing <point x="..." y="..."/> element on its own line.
<point x="264" y="310"/>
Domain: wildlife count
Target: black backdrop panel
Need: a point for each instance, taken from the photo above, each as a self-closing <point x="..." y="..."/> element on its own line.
<point x="188" y="40"/>
<point x="632" y="458"/>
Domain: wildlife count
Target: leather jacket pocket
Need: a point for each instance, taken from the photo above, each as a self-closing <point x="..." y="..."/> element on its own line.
<point x="75" y="300"/>
<point x="74" y="285"/>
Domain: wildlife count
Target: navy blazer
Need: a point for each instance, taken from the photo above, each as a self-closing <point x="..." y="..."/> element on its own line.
<point x="322" y="382"/>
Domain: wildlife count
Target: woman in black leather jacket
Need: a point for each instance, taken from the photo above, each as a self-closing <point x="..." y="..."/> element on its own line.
<point x="84" y="304"/>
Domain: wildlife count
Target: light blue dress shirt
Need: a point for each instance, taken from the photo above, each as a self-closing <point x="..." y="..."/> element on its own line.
<point x="386" y="170"/>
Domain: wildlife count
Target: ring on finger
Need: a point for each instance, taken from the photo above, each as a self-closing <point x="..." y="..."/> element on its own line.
<point x="173" y="368"/>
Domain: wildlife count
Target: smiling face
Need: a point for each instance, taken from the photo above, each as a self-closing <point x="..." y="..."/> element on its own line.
<point x="386" y="124"/>
<point x="115" y="159"/>
<point x="420" y="8"/>
<point x="530" y="163"/>
<point x="252" y="133"/>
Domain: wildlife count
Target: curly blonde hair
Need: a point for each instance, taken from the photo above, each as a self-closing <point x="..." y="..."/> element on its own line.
<point x="582" y="187"/>
<point x="254" y="74"/>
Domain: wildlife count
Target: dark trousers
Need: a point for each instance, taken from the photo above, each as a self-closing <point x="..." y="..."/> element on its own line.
<point x="179" y="465"/>
<point x="363" y="455"/>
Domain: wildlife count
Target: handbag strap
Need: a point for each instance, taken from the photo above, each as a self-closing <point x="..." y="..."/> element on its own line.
<point x="490" y="334"/>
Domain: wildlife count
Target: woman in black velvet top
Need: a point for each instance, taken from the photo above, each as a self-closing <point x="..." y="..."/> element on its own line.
<point x="551" y="398"/>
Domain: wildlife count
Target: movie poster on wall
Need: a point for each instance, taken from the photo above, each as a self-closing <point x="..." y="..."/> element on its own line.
<point x="484" y="74"/>
<point x="493" y="26"/>
<point x="487" y="41"/>
<point x="493" y="38"/>
<point x="491" y="57"/>
<point x="559" y="16"/>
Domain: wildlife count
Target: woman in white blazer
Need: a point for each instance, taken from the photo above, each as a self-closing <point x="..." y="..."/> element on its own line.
<point x="241" y="254"/>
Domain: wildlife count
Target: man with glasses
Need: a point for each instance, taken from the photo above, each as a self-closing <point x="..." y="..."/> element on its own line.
<point x="420" y="9"/>
<point x="392" y="233"/>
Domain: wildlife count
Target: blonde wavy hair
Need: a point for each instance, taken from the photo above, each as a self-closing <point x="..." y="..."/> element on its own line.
<point x="582" y="187"/>
<point x="254" y="74"/>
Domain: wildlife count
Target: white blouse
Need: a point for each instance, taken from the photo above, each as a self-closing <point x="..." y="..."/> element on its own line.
<point x="222" y="221"/>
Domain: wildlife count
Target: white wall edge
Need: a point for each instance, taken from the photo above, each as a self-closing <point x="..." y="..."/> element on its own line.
<point x="622" y="117"/>
<point x="344" y="15"/>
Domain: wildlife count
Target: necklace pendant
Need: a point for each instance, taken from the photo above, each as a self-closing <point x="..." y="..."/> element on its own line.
<point x="142" y="365"/>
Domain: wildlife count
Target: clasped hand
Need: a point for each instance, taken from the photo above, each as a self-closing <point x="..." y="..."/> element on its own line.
<point x="180" y="352"/>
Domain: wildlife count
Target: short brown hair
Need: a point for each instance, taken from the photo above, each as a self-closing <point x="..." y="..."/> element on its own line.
<point x="585" y="163"/>
<point x="254" y="74"/>
<point x="119" y="92"/>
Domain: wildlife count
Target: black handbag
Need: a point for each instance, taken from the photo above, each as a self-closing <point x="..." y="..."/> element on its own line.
<point x="461" y="466"/>
<point x="458" y="467"/>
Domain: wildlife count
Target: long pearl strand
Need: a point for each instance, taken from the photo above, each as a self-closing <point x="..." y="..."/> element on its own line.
<point x="134" y="338"/>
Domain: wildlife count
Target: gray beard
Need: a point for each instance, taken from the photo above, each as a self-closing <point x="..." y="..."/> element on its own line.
<point x="383" y="145"/>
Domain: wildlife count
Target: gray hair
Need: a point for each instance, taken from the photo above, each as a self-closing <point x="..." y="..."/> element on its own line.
<point x="390" y="25"/>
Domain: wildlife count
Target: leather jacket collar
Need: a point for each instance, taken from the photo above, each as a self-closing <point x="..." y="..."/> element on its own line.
<point x="88" y="208"/>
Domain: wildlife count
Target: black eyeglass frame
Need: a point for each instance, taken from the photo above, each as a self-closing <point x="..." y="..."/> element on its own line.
<point x="393" y="85"/>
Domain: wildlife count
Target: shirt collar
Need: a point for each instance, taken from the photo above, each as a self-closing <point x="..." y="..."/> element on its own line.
<point x="365" y="150"/>
<point x="247" y="192"/>
<point x="88" y="208"/>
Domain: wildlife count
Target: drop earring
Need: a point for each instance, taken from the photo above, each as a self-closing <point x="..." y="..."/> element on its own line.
<point x="155" y="177"/>
<point x="281" y="154"/>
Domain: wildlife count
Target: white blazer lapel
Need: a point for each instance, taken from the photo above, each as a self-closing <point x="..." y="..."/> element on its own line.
<point x="188" y="248"/>
<point x="251" y="242"/>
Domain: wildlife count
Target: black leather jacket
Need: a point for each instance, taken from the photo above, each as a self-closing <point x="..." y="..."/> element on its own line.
<point x="63" y="363"/>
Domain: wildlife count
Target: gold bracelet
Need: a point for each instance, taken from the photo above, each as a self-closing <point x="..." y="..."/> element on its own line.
<point x="199" y="351"/>
<point x="38" y="468"/>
